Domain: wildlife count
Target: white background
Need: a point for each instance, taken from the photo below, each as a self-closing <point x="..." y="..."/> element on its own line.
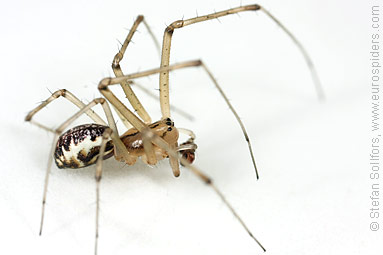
<point x="313" y="195"/>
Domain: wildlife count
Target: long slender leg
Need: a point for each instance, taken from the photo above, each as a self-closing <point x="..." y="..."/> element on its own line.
<point x="104" y="83"/>
<point x="156" y="42"/>
<point x="46" y="180"/>
<point x="130" y="95"/>
<point x="124" y="121"/>
<point x="71" y="98"/>
<point x="236" y="116"/>
<point x="103" y="87"/>
<point x="207" y="180"/>
<point x="155" y="96"/>
<point x="107" y="133"/>
<point x="149" y="150"/>
<point x="174" y="162"/>
<point x="164" y="76"/>
<point x="310" y="64"/>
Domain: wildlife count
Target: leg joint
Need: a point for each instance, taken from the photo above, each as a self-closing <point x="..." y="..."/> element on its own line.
<point x="174" y="25"/>
<point x="59" y="93"/>
<point x="99" y="100"/>
<point x="255" y="7"/>
<point x="116" y="61"/>
<point x="140" y="18"/>
<point x="104" y="83"/>
<point x="208" y="181"/>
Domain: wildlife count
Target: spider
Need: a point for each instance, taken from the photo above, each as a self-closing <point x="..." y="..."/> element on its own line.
<point x="89" y="144"/>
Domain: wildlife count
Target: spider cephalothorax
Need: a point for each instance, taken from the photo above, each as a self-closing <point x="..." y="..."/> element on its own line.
<point x="133" y="140"/>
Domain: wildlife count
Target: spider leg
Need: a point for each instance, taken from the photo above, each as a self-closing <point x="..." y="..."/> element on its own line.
<point x="207" y="180"/>
<point x="309" y="62"/>
<point x="166" y="45"/>
<point x="46" y="180"/>
<point x="155" y="96"/>
<point x="235" y="114"/>
<point x="189" y="133"/>
<point x="173" y="160"/>
<point x="150" y="156"/>
<point x="71" y="98"/>
<point x="130" y="95"/>
<point x="156" y="42"/>
<point x="107" y="133"/>
<point x="120" y="151"/>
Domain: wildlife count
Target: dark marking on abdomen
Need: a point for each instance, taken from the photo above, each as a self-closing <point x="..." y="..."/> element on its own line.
<point x="87" y="154"/>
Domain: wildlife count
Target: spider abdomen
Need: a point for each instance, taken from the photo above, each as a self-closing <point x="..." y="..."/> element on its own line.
<point x="79" y="147"/>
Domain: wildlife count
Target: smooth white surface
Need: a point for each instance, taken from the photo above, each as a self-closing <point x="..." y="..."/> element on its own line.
<point x="313" y="195"/>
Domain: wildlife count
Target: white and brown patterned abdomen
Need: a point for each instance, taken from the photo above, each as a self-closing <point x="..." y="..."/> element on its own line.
<point x="80" y="146"/>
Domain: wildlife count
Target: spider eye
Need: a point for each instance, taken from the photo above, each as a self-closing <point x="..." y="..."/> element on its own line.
<point x="170" y="129"/>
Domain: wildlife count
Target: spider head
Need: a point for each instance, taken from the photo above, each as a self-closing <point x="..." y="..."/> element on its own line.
<point x="166" y="130"/>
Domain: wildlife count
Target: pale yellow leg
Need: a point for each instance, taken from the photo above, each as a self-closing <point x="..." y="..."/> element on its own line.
<point x="130" y="95"/>
<point x="105" y="137"/>
<point x="167" y="39"/>
<point x="71" y="98"/>
<point x="207" y="180"/>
